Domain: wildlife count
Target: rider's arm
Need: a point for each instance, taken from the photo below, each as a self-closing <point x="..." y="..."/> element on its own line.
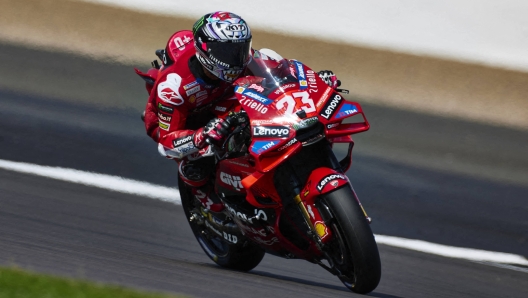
<point x="174" y="140"/>
<point x="151" y="118"/>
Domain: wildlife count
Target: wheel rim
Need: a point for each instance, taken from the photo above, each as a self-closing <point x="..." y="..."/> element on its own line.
<point x="214" y="244"/>
<point x="340" y="258"/>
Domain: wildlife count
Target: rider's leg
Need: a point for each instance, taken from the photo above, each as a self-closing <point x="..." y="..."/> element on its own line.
<point x="197" y="174"/>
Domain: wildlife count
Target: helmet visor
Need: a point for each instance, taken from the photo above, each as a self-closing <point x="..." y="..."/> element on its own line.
<point x="229" y="54"/>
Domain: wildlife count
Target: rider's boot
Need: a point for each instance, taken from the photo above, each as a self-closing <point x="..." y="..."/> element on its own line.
<point x="194" y="175"/>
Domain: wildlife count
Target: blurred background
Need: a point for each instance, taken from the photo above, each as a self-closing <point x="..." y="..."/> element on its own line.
<point x="443" y="84"/>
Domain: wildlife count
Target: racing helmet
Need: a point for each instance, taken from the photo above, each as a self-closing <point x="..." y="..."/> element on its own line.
<point x="223" y="44"/>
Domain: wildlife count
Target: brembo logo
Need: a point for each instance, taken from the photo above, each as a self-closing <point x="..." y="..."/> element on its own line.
<point x="271" y="131"/>
<point x="330" y="107"/>
<point x="329" y="178"/>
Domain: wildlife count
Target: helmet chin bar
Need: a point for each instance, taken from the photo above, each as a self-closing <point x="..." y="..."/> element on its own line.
<point x="210" y="74"/>
<point x="231" y="75"/>
<point x="214" y="71"/>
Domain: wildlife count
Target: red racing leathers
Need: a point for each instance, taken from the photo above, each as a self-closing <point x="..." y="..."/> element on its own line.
<point x="179" y="101"/>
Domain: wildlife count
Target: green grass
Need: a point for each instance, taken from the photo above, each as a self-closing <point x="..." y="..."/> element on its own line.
<point x="15" y="283"/>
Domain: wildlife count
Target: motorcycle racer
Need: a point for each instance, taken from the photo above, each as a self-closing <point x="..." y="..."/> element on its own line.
<point x="198" y="68"/>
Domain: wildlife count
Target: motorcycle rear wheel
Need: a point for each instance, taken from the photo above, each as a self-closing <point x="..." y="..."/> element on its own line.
<point x="353" y="251"/>
<point x="242" y="256"/>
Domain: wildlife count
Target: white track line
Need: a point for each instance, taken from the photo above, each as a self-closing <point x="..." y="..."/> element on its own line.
<point x="172" y="195"/>
<point x="452" y="252"/>
<point x="108" y="182"/>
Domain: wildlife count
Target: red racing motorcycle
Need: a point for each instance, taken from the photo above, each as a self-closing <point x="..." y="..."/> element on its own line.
<point x="283" y="190"/>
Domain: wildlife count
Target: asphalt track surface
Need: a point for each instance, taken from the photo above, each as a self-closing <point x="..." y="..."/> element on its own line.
<point x="430" y="178"/>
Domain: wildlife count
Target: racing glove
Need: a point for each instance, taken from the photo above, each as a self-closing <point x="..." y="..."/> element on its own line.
<point x="214" y="130"/>
<point x="329" y="78"/>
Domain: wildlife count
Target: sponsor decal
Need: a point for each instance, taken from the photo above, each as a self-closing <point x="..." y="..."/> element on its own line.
<point x="270" y="131"/>
<point x="221" y="109"/>
<point x="292" y="71"/>
<point x="253" y="95"/>
<point x="192" y="99"/>
<point x="301" y="75"/>
<point x="256" y="87"/>
<point x="329" y="178"/>
<point x="312" y="82"/>
<point x="168" y="89"/>
<point x="234" y="181"/>
<point x="182" y="150"/>
<point x="230" y="238"/>
<point x="190" y="85"/>
<point x="236" y="27"/>
<point x="346" y="110"/>
<point x="300" y="69"/>
<point x="263" y="121"/>
<point x="283" y="88"/>
<point x="321" y="229"/>
<point x="257" y="106"/>
<point x="163" y="125"/>
<point x="324" y="97"/>
<point x="164" y="117"/>
<point x="180" y="44"/>
<point x="165" y="109"/>
<point x="258" y="97"/>
<point x="287" y="145"/>
<point x="262" y="146"/>
<point x="192" y="90"/>
<point x="331" y="105"/>
<point x="199" y="138"/>
<point x="334" y="183"/>
<point x="201" y="93"/>
<point x="305" y="123"/>
<point x="181" y="141"/>
<point x="332" y="125"/>
<point x="260" y="214"/>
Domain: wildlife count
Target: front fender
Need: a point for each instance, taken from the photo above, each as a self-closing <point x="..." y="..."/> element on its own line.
<point x="320" y="181"/>
<point x="323" y="180"/>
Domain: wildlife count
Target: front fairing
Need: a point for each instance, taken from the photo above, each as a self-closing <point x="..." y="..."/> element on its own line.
<point x="288" y="106"/>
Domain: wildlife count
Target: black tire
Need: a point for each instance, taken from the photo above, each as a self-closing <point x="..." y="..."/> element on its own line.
<point x="354" y="251"/>
<point x="243" y="256"/>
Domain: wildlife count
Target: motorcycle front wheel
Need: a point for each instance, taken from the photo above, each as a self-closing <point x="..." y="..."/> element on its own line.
<point x="243" y="255"/>
<point x="353" y="250"/>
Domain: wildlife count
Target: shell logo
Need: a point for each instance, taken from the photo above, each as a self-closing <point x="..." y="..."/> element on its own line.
<point x="321" y="229"/>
